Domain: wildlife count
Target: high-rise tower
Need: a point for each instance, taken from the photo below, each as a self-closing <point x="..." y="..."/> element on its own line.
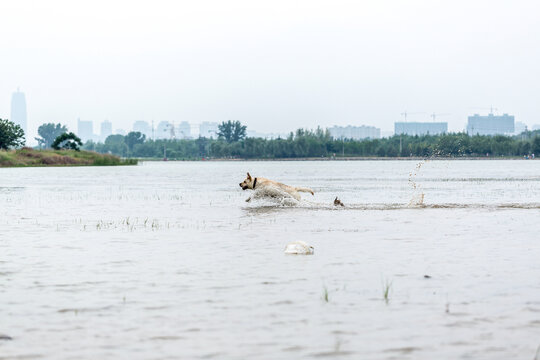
<point x="18" y="110"/>
<point x="85" y="130"/>
<point x="106" y="130"/>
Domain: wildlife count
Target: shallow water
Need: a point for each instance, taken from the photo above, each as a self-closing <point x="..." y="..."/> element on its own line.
<point x="167" y="260"/>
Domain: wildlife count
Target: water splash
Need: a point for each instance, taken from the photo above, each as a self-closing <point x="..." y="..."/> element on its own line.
<point x="275" y="196"/>
<point x="417" y="199"/>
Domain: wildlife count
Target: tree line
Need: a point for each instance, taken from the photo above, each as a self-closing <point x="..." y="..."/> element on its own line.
<point x="303" y="143"/>
<point x="318" y="143"/>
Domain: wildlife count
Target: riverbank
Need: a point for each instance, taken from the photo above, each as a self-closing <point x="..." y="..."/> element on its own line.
<point x="375" y="158"/>
<point x="347" y="158"/>
<point x="30" y="157"/>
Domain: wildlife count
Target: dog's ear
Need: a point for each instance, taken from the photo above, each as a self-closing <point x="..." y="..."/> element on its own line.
<point x="249" y="176"/>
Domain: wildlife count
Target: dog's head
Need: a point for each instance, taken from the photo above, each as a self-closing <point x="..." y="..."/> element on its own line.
<point x="338" y="202"/>
<point x="247" y="183"/>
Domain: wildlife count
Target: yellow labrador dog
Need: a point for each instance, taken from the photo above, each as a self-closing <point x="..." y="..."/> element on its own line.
<point x="271" y="188"/>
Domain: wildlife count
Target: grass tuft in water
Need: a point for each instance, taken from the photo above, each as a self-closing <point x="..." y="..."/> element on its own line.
<point x="337" y="345"/>
<point x="386" y="287"/>
<point x="326" y="297"/>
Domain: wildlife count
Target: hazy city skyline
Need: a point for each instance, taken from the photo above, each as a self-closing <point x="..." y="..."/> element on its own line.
<point x="274" y="66"/>
<point x="491" y="124"/>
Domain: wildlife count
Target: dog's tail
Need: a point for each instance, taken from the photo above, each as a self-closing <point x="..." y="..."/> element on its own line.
<point x="301" y="189"/>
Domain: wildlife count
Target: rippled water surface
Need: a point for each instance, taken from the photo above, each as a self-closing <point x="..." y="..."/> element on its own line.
<point x="167" y="261"/>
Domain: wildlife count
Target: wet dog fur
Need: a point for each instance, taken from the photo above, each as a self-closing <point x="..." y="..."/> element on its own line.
<point x="251" y="183"/>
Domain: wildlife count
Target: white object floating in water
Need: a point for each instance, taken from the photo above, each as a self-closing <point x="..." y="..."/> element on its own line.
<point x="299" y="248"/>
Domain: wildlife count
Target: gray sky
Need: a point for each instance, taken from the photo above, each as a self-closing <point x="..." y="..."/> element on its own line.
<point x="274" y="65"/>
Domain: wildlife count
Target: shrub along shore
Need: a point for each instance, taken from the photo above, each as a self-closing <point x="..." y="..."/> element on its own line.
<point x="31" y="157"/>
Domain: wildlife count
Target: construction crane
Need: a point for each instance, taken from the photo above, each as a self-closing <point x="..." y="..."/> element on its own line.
<point x="433" y="116"/>
<point x="491" y="109"/>
<point x="405" y="113"/>
<point x="170" y="128"/>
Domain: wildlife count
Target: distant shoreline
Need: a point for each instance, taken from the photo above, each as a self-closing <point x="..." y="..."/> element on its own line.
<point x="352" y="158"/>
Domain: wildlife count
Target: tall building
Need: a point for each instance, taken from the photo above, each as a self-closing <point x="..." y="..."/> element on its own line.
<point x="519" y="127"/>
<point x="143" y="127"/>
<point x="208" y="129"/>
<point x="18" y="110"/>
<point x="85" y="130"/>
<point x="355" y="132"/>
<point x="163" y="130"/>
<point x="184" y="130"/>
<point x="420" y="128"/>
<point x="490" y="124"/>
<point x="106" y="130"/>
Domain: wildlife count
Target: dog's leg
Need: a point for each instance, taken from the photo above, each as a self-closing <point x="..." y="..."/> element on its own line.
<point x="248" y="199"/>
<point x="305" y="190"/>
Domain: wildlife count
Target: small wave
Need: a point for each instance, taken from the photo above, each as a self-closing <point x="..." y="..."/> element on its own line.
<point x="444" y="206"/>
<point x="400" y="179"/>
<point x="392" y="206"/>
<point x="482" y="179"/>
<point x="89" y="309"/>
<point x="9" y="189"/>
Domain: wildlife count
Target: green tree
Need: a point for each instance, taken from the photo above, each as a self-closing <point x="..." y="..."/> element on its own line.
<point x="535" y="147"/>
<point x="116" y="139"/>
<point x="114" y="144"/>
<point x="232" y="131"/>
<point x="11" y="134"/>
<point x="49" y="132"/>
<point x="202" y="145"/>
<point x="134" y="137"/>
<point x="67" y="141"/>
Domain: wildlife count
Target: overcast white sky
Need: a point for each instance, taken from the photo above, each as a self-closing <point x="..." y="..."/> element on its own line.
<point x="274" y="65"/>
